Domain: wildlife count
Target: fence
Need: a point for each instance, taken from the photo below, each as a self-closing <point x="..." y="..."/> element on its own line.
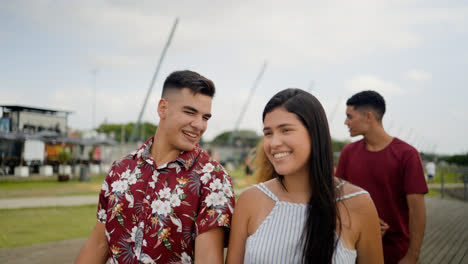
<point x="454" y="181"/>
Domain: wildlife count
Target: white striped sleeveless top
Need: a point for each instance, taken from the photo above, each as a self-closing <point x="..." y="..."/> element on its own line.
<point x="277" y="238"/>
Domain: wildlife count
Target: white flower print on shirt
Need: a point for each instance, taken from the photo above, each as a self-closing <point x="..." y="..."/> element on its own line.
<point x="186" y="259"/>
<point x="119" y="186"/>
<point x="125" y="174"/>
<point x="227" y="190"/>
<point x="216" y="185"/>
<point x="165" y="193"/>
<point x="205" y="178"/>
<point x="132" y="179"/>
<point x="211" y="199"/>
<point x="208" y="167"/>
<point x="175" y="201"/>
<point x="180" y="191"/>
<point x="165" y="208"/>
<point x="156" y="206"/>
<point x="155" y="175"/>
<point x="221" y="199"/>
<point x="102" y="215"/>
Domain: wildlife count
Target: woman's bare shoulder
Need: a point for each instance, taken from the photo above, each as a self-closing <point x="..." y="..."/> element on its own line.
<point x="251" y="196"/>
<point x="358" y="199"/>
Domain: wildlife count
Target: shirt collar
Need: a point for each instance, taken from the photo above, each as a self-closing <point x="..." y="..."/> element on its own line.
<point x="185" y="158"/>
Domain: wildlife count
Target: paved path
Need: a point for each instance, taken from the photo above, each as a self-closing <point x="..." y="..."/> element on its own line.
<point x="446" y="237"/>
<point x="52" y="252"/>
<point x="48" y="201"/>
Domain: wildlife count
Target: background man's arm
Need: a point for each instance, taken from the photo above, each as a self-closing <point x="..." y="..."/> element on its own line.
<point x="209" y="246"/>
<point x="417" y="225"/>
<point x="95" y="249"/>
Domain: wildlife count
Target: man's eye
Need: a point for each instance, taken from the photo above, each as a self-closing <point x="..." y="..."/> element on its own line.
<point x="188" y="112"/>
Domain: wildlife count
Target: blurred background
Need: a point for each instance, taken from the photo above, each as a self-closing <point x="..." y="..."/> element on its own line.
<point x="80" y="82"/>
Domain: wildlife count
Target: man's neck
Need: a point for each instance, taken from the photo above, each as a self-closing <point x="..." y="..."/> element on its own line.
<point x="162" y="152"/>
<point x="377" y="139"/>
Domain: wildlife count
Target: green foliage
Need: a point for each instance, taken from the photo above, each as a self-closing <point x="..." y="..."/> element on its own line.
<point x="461" y="160"/>
<point x="244" y="138"/>
<point x="64" y="157"/>
<point x="118" y="130"/>
<point x="338" y="145"/>
<point x="429" y="156"/>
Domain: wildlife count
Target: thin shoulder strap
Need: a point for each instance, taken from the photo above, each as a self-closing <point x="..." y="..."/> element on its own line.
<point x="351" y="195"/>
<point x="342" y="182"/>
<point x="267" y="191"/>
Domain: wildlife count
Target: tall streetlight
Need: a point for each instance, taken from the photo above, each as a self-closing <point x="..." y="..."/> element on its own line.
<point x="94" y="72"/>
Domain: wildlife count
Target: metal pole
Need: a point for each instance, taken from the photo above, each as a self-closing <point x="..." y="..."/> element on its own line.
<point x="244" y="108"/>
<point x="94" y="72"/>
<point x="161" y="59"/>
<point x="465" y="181"/>
<point x="442" y="184"/>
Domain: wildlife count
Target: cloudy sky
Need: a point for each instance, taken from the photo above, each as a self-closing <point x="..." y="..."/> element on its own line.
<point x="414" y="52"/>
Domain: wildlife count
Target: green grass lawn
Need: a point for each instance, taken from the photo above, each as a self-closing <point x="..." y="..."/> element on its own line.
<point x="29" y="226"/>
<point x="449" y="176"/>
<point x="38" y="225"/>
<point x="30" y="187"/>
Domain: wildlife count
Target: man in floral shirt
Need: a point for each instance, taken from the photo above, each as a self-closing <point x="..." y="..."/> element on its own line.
<point x="168" y="202"/>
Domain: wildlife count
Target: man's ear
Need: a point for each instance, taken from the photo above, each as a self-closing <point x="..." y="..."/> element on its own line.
<point x="163" y="108"/>
<point x="370" y="116"/>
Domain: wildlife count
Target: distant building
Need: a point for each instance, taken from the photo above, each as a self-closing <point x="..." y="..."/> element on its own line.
<point x="30" y="120"/>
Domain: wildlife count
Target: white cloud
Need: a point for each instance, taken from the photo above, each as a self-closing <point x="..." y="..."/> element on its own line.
<point x="370" y="82"/>
<point x="458" y="114"/>
<point x="418" y="75"/>
<point x="284" y="32"/>
<point x="114" y="61"/>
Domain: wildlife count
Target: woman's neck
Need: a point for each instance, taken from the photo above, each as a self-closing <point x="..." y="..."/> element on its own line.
<point x="297" y="188"/>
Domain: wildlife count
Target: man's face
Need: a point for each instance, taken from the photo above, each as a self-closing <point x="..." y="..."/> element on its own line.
<point x="356" y="121"/>
<point x="185" y="116"/>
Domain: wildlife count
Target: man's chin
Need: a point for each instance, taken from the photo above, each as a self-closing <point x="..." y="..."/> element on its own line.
<point x="187" y="146"/>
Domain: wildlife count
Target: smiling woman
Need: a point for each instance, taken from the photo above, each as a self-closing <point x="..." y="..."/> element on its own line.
<point x="303" y="214"/>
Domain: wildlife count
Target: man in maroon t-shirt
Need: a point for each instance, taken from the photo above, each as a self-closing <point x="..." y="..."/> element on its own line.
<point x="391" y="171"/>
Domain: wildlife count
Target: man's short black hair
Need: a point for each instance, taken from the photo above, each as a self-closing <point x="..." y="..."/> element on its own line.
<point x="189" y="79"/>
<point x="368" y="99"/>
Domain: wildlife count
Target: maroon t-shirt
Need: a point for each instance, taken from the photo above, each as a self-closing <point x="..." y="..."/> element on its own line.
<point x="388" y="175"/>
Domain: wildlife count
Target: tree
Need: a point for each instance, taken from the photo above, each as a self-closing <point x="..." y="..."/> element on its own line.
<point x="338" y="145"/>
<point x="461" y="160"/>
<point x="243" y="138"/>
<point x="118" y="130"/>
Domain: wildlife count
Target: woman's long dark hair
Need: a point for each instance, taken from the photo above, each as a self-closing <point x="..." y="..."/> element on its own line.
<point x="318" y="237"/>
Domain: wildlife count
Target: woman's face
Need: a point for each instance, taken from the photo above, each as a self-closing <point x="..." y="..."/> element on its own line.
<point x="286" y="142"/>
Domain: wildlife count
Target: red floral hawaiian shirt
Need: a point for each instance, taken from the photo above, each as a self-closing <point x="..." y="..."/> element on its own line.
<point x="153" y="214"/>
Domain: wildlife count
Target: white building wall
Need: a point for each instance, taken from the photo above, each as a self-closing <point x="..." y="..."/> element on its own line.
<point x="46" y="121"/>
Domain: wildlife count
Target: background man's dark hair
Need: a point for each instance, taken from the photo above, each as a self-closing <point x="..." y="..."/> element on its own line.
<point x="189" y="79"/>
<point x="368" y="99"/>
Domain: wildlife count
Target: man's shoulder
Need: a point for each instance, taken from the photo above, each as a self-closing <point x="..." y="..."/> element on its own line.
<point x="403" y="147"/>
<point x="125" y="161"/>
<point x="204" y="158"/>
<point x="353" y="145"/>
